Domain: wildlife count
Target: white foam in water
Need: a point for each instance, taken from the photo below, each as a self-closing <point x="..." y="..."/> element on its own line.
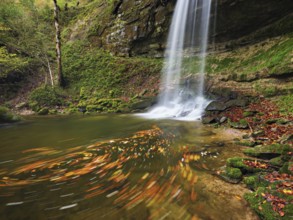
<point x="187" y="111"/>
<point x="190" y="25"/>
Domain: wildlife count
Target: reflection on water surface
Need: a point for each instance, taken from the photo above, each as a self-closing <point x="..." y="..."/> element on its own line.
<point x="115" y="167"/>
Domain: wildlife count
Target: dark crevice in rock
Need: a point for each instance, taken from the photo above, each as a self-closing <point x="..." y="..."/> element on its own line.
<point x="281" y="76"/>
<point x="117" y="7"/>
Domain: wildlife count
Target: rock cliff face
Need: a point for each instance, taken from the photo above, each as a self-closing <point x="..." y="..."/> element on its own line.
<point x="238" y="18"/>
<point x="140" y="27"/>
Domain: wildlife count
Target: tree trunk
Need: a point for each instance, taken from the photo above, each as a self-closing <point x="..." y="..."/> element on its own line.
<point x="58" y="44"/>
<point x="50" y="72"/>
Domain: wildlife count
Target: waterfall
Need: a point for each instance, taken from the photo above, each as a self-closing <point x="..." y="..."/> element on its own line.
<point x="182" y="97"/>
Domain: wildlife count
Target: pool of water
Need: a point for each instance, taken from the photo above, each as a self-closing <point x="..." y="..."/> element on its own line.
<point x="116" y="167"/>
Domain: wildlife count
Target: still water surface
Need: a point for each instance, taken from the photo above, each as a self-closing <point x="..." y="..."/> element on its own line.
<point x="116" y="167"/>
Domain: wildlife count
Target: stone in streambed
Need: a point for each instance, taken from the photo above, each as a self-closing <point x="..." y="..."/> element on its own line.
<point x="21" y="105"/>
<point x="246" y="136"/>
<point x="7" y="117"/>
<point x="208" y="119"/>
<point x="223" y="119"/>
<point x="246" y="143"/>
<point x="272" y="121"/>
<point x="237" y="102"/>
<point x="238" y="162"/>
<point x="277" y="161"/>
<point x="286" y="138"/>
<point x="248" y="114"/>
<point x="216" y="106"/>
<point x="43" y="111"/>
<point x="241" y="124"/>
<point x="230" y="174"/>
<point x="143" y="103"/>
<point x="283" y="121"/>
<point x="266" y="151"/>
<point x="258" y="133"/>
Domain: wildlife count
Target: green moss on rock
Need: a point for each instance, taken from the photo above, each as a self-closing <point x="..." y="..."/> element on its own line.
<point x="265" y="151"/>
<point x="233" y="173"/>
<point x="238" y="162"/>
<point x="277" y="161"/>
<point x="241" y="124"/>
<point x="251" y="181"/>
<point x="6" y="116"/>
<point x="263" y="209"/>
<point x="248" y="114"/>
<point x="246" y="143"/>
<point x="43" y="111"/>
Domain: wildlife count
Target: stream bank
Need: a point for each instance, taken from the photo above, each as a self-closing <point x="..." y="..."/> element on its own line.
<point x="267" y="167"/>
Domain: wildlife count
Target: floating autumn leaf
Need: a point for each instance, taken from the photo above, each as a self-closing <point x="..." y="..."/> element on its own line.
<point x="193" y="195"/>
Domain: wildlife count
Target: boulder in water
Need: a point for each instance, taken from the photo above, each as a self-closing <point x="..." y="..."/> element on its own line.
<point x="208" y="120"/>
<point x="216" y="106"/>
<point x="143" y="103"/>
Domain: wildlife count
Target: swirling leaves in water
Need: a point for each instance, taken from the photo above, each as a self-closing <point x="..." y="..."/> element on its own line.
<point x="111" y="164"/>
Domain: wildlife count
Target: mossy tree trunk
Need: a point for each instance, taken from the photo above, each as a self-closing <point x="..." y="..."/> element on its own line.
<point x="60" y="79"/>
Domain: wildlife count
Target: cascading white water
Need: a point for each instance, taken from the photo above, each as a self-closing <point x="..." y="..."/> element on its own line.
<point x="189" y="29"/>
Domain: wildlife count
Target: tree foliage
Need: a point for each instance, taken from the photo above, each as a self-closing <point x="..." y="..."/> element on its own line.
<point x="26" y="33"/>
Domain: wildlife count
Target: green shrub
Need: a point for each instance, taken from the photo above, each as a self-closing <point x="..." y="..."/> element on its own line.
<point x="45" y="96"/>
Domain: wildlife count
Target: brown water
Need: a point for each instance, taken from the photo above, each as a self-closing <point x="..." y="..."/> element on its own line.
<point x="116" y="167"/>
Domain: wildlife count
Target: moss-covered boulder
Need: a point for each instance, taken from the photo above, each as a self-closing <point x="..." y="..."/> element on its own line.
<point x="43" y="111"/>
<point x="233" y="173"/>
<point x="216" y="106"/>
<point x="247" y="165"/>
<point x="270" y="204"/>
<point x="6" y="116"/>
<point x="230" y="174"/>
<point x="239" y="102"/>
<point x="246" y="143"/>
<point x="254" y="181"/>
<point x="241" y="124"/>
<point x="142" y="103"/>
<point x="258" y="133"/>
<point x="277" y="161"/>
<point x="248" y="114"/>
<point x="266" y="151"/>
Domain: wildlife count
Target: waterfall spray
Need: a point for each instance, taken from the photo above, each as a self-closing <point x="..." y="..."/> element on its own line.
<point x="189" y="30"/>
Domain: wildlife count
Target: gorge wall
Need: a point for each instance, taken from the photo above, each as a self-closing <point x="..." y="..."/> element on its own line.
<point x="140" y="27"/>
